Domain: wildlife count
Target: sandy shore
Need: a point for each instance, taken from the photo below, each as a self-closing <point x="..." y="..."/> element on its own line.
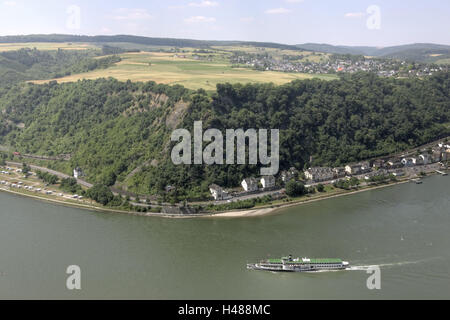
<point x="274" y="208"/>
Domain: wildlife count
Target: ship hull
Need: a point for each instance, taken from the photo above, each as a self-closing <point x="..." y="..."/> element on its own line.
<point x="255" y="266"/>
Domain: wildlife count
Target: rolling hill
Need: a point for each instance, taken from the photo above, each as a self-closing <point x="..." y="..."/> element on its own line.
<point x="421" y="52"/>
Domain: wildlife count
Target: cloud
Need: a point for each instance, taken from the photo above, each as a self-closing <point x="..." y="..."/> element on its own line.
<point x="9" y="3"/>
<point x="123" y="14"/>
<point x="199" y="19"/>
<point x="355" y="14"/>
<point x="278" y="11"/>
<point x="204" y="3"/>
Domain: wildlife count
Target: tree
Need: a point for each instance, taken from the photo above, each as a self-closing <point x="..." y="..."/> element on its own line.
<point x="320" y="187"/>
<point x="295" y="189"/>
<point x="101" y="194"/>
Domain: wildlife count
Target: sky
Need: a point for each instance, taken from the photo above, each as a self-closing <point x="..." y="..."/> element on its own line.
<point x="344" y="22"/>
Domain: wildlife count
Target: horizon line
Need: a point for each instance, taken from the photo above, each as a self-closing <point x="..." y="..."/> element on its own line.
<point x="215" y="40"/>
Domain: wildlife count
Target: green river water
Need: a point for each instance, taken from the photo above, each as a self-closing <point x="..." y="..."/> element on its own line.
<point x="403" y="229"/>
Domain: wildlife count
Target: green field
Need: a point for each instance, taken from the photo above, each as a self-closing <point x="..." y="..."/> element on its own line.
<point x="46" y="46"/>
<point x="182" y="67"/>
<point x="168" y="68"/>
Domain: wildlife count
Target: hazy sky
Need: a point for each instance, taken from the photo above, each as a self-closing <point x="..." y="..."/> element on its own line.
<point x="349" y="22"/>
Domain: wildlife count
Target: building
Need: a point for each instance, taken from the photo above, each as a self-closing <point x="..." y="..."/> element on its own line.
<point x="77" y="173"/>
<point x="170" y="188"/>
<point x="436" y="156"/>
<point x="379" y="163"/>
<point x="339" y="172"/>
<point x="218" y="193"/>
<point x="445" y="156"/>
<point x="424" y="158"/>
<point x="408" y="162"/>
<point x="268" y="182"/>
<point x="394" y="163"/>
<point x="289" y="174"/>
<point x="353" y="168"/>
<point x="250" y="184"/>
<point x="365" y="166"/>
<point x="319" y="174"/>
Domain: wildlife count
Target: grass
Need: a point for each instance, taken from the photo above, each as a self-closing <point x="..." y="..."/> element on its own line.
<point x="194" y="74"/>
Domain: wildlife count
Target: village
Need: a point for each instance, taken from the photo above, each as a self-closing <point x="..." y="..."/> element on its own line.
<point x="335" y="64"/>
<point x="408" y="166"/>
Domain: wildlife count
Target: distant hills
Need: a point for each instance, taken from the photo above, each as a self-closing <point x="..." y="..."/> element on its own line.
<point x="421" y="52"/>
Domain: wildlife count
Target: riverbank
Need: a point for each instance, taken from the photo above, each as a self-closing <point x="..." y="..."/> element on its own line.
<point x="265" y="210"/>
<point x="254" y="212"/>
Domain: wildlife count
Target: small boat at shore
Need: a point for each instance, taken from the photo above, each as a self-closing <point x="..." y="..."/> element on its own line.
<point x="289" y="264"/>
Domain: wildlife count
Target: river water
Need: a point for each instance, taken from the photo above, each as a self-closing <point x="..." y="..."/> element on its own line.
<point x="403" y="229"/>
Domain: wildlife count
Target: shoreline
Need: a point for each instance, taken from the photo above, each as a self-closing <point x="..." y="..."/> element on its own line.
<point x="254" y="212"/>
<point x="262" y="211"/>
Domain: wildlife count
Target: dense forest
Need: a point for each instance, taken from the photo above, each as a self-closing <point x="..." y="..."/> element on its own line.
<point x="32" y="64"/>
<point x="111" y="128"/>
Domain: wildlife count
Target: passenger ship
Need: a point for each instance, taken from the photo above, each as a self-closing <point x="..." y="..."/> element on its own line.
<point x="289" y="264"/>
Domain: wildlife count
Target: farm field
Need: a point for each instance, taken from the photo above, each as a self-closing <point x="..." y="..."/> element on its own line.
<point x="171" y="68"/>
<point x="47" y="46"/>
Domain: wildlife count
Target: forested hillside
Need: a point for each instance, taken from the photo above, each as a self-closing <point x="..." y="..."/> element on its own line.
<point x="112" y="128"/>
<point x="31" y="64"/>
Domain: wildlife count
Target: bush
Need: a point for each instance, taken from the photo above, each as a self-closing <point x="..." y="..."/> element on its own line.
<point x="320" y="187"/>
<point x="295" y="189"/>
<point x="101" y="194"/>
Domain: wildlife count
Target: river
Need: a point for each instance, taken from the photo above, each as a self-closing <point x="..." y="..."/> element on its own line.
<point x="403" y="229"/>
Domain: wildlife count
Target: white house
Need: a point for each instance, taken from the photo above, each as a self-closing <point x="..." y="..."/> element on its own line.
<point x="77" y="173"/>
<point x="353" y="169"/>
<point x="218" y="193"/>
<point x="425" y="158"/>
<point x="250" y="184"/>
<point x="268" y="182"/>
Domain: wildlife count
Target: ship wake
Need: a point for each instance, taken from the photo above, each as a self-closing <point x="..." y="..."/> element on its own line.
<point x="393" y="264"/>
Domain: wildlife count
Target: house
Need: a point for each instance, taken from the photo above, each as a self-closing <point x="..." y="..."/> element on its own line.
<point x="394" y="163"/>
<point x="436" y="156"/>
<point x="353" y="169"/>
<point x="377" y="173"/>
<point x="218" y="193"/>
<point x="289" y="174"/>
<point x="77" y="173"/>
<point x="365" y="166"/>
<point x="445" y="156"/>
<point x="408" y="162"/>
<point x="250" y="184"/>
<point x="339" y="172"/>
<point x="425" y="158"/>
<point x="268" y="182"/>
<point x="319" y="174"/>
<point x="379" y="163"/>
<point x="170" y="188"/>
